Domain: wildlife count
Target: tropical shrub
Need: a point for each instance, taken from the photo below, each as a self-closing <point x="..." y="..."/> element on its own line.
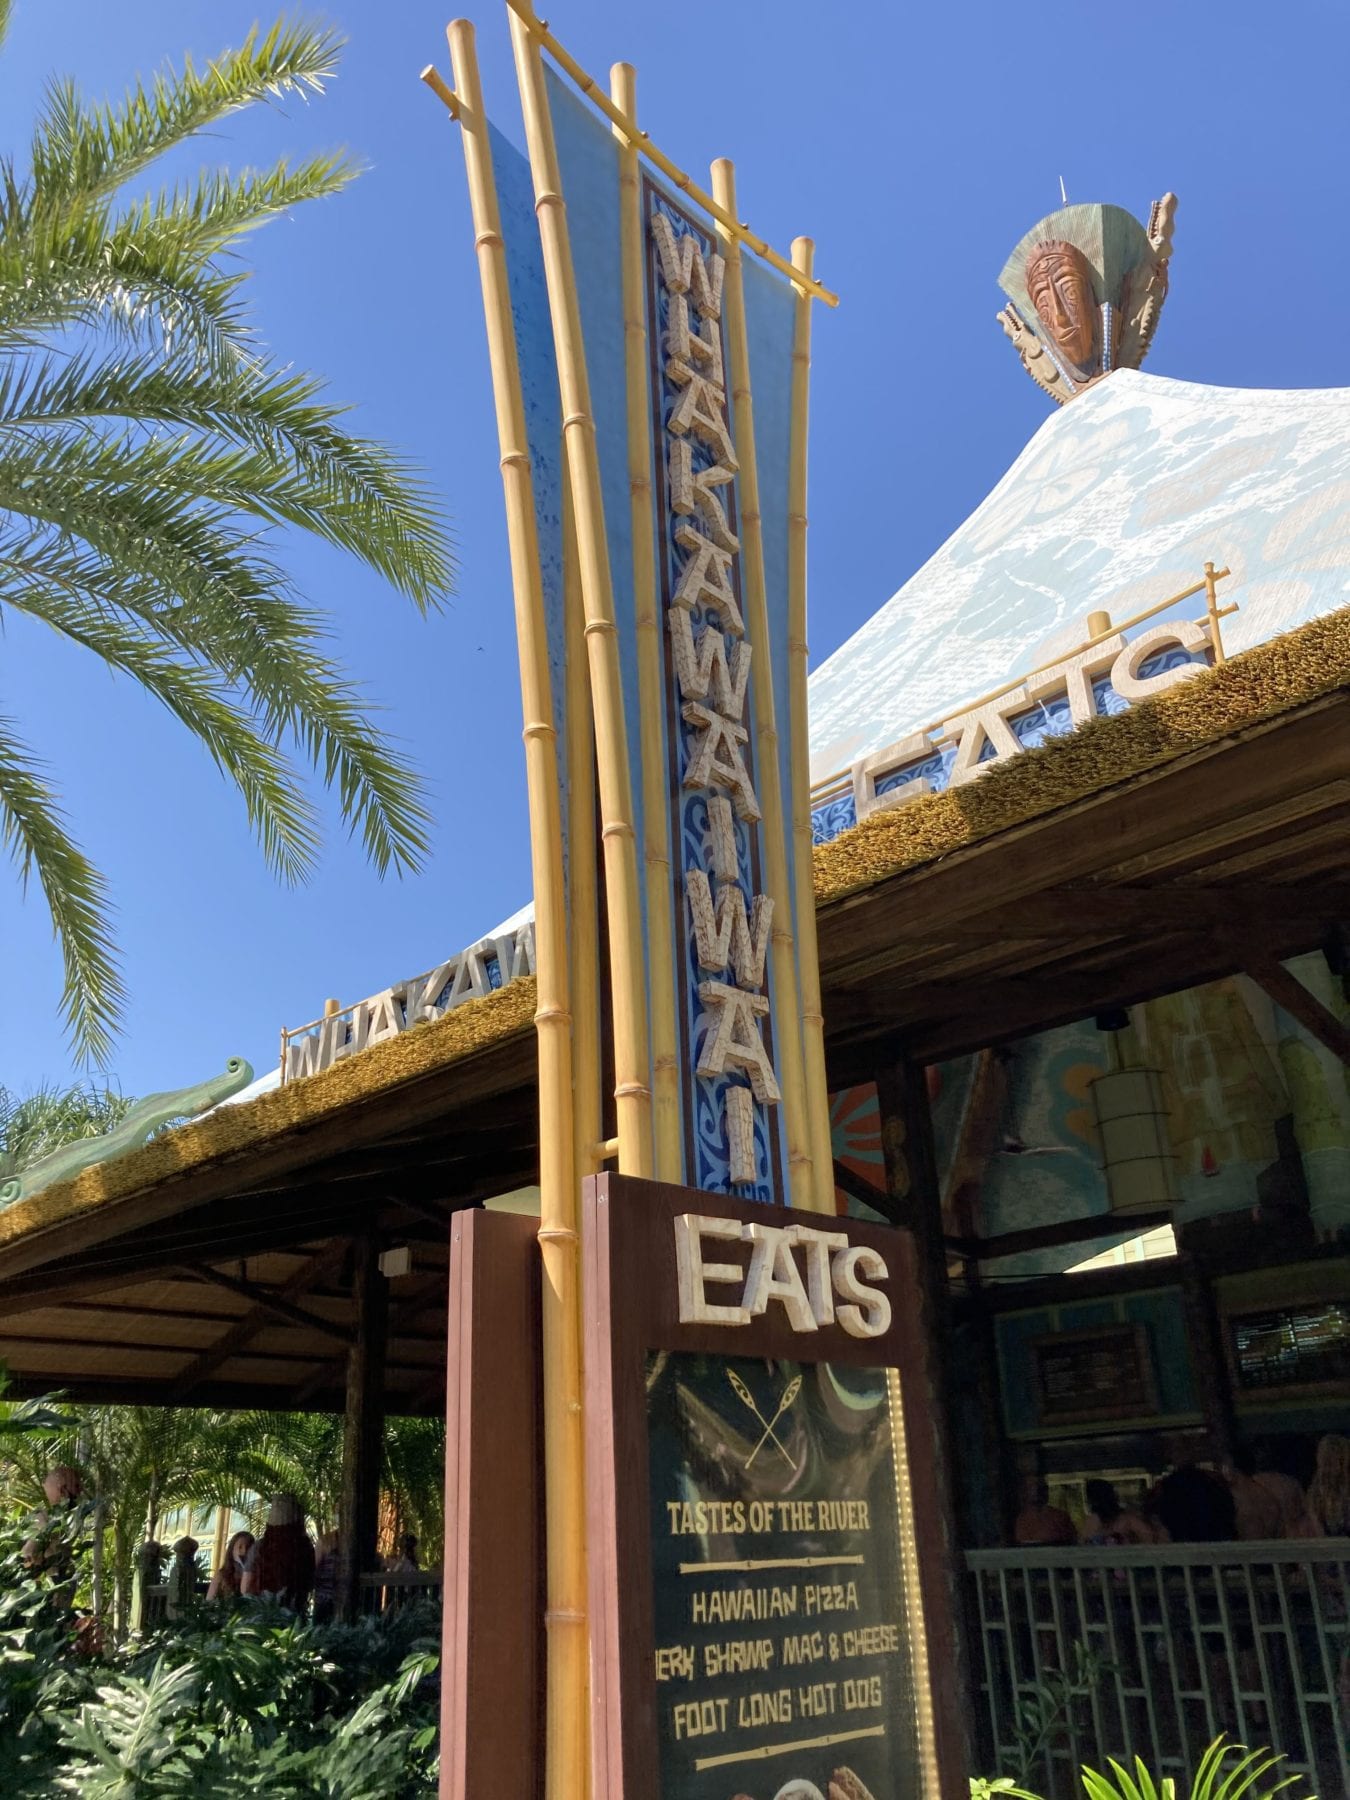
<point x="1217" y="1778"/>
<point x="230" y="1700"/>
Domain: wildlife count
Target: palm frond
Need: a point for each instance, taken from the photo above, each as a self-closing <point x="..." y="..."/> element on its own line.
<point x="277" y="809"/>
<point x="184" y="576"/>
<point x="307" y="471"/>
<point x="39" y="1122"/>
<point x="85" y="152"/>
<point x="33" y="831"/>
<point x="150" y="453"/>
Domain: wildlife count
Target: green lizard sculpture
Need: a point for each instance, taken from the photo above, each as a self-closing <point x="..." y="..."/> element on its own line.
<point x="140" y="1124"/>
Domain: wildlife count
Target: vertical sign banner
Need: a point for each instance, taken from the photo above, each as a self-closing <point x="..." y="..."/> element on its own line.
<point x="650" y="388"/>
<point x="735" y="1006"/>
<point x="707" y="785"/>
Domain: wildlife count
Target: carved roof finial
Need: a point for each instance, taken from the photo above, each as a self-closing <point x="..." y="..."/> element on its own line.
<point x="1085" y="287"/>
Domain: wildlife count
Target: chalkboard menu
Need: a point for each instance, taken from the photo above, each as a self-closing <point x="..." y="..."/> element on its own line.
<point x="1094" y="1376"/>
<point x="781" y="1655"/>
<point x="769" y="1586"/>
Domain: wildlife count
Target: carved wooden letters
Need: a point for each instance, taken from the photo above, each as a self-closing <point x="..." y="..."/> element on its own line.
<point x="710" y="657"/>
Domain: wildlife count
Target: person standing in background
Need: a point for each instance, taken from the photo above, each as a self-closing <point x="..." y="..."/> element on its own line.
<point x="1259" y="1514"/>
<point x="228" y="1581"/>
<point x="1277" y="1480"/>
<point x="1039" y="1523"/>
<point x="281" y="1563"/>
<point x="1328" y="1503"/>
<point x="1108" y="1522"/>
<point x="326" y="1579"/>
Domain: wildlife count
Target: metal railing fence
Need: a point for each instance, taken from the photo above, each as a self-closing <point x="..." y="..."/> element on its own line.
<point x="391" y="1587"/>
<point x="1179" y="1643"/>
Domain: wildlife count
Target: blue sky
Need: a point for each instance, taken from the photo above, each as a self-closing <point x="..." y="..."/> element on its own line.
<point x="916" y="145"/>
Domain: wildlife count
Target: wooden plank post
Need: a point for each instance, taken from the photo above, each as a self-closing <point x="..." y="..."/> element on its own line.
<point x="492" y="1669"/>
<point x="363" y="1426"/>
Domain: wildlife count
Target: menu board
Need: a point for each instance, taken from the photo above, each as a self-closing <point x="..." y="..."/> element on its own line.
<point x="1096" y="1375"/>
<point x="781" y="1641"/>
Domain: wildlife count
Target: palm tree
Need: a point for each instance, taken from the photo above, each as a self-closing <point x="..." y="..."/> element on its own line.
<point x="52" y="1116"/>
<point x="148" y="444"/>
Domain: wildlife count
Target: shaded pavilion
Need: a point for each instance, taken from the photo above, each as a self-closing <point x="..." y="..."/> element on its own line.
<point x="235" y="1261"/>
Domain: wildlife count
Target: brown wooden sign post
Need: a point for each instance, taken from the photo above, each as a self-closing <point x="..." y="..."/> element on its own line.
<point x="492" y="1666"/>
<point x="770" y="1613"/>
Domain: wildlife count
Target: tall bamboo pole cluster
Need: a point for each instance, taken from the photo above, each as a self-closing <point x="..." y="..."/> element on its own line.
<point x="566" y="1750"/>
<point x="650" y="652"/>
<point x="799" y="746"/>
<point x="646" y="1070"/>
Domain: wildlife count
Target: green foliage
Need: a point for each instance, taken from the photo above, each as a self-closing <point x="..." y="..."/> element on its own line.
<point x="50" y="1116"/>
<point x="1042" y="1712"/>
<point x="229" y="1701"/>
<point x="41" y="1679"/>
<point x="1217" y="1778"/>
<point x="148" y="444"/>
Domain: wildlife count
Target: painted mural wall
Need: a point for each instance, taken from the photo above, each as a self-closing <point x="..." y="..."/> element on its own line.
<point x="1258" y="1117"/>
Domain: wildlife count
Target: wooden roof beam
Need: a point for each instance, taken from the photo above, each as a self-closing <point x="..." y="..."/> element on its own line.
<point x="402" y="1309"/>
<point x="1102" y="909"/>
<point x="244" y="1330"/>
<point x="267" y="1300"/>
<point x="1299" y="1002"/>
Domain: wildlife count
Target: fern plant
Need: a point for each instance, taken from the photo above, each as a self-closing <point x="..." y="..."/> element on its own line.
<point x="1217" y="1778"/>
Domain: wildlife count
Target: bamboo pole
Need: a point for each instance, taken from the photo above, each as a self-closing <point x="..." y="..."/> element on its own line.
<point x="799" y="727"/>
<point x="667" y="1131"/>
<point x="1212" y="579"/>
<point x="628" y="984"/>
<point x="627" y="128"/>
<point x="566" y="1746"/>
<point x="582" y="874"/>
<point x="787" y="1036"/>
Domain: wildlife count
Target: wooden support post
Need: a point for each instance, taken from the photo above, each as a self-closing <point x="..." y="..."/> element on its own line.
<point x="912" y="1185"/>
<point x="363" y="1427"/>
<point x="1206" y="1346"/>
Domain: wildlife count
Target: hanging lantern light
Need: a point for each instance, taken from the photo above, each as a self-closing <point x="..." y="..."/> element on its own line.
<point x="1137" y="1155"/>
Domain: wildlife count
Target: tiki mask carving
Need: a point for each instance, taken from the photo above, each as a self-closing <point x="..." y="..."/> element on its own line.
<point x="1059" y="284"/>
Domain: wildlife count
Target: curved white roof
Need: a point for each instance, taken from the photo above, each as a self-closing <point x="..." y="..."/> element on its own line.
<point x="1118" y="501"/>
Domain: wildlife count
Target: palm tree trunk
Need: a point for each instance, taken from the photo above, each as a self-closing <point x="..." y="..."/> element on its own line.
<point x="121" y="1576"/>
<point x="96" y="1582"/>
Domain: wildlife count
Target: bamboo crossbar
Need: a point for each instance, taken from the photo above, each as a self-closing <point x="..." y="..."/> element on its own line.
<point x="628" y="128"/>
<point x="836" y="785"/>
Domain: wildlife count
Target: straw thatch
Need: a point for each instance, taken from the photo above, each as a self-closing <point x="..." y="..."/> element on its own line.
<point x="1271" y="679"/>
<point x="233" y="1129"/>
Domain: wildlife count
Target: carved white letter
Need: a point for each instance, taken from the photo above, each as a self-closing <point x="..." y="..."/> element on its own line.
<point x="774" y="1276"/>
<point x="867" y="1312"/>
<point x="732" y="1037"/>
<point x="691" y="1271"/>
<point x="818" y="1245"/>
<point x="1125" y="676"/>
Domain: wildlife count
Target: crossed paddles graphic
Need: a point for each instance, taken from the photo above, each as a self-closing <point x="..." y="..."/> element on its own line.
<point x="743" y="1394"/>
